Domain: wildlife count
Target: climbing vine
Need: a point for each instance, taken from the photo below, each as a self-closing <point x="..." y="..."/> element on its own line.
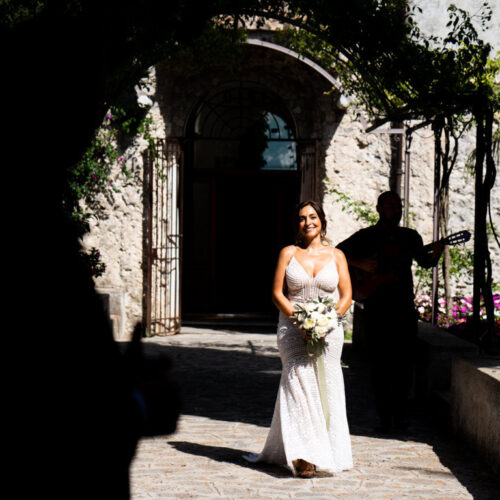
<point x="360" y="210"/>
<point x="96" y="173"/>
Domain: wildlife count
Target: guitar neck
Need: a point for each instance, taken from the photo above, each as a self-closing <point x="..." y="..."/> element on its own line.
<point x="456" y="238"/>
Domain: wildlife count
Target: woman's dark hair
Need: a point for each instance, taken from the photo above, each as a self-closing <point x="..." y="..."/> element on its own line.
<point x="321" y="214"/>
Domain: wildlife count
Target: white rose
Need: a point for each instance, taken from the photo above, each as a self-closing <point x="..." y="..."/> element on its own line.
<point x="321" y="331"/>
<point x="321" y="308"/>
<point x="310" y="307"/>
<point x="322" y="321"/>
<point x="332" y="315"/>
<point x="316" y="316"/>
<point x="308" y="324"/>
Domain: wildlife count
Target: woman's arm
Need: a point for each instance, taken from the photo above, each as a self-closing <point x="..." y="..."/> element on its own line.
<point x="279" y="298"/>
<point x="344" y="286"/>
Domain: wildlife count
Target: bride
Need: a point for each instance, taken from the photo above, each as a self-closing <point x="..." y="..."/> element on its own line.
<point x="305" y="435"/>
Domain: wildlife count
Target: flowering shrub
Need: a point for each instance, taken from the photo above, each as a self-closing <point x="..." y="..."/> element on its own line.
<point x="462" y="310"/>
<point x="93" y="173"/>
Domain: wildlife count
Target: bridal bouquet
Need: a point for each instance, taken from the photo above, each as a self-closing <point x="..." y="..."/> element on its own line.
<point x="317" y="318"/>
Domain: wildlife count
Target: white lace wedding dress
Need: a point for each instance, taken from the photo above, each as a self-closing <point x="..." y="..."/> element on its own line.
<point x="298" y="428"/>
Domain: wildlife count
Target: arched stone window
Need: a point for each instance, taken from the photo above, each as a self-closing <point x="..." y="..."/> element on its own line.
<point x="243" y="126"/>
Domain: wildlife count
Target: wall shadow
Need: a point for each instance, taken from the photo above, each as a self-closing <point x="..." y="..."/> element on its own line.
<point x="240" y="386"/>
<point x="223" y="384"/>
<point x="462" y="461"/>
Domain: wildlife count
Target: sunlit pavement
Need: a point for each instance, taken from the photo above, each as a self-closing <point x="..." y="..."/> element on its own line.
<point x="229" y="382"/>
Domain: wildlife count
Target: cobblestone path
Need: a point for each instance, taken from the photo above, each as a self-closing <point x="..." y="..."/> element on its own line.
<point x="229" y="382"/>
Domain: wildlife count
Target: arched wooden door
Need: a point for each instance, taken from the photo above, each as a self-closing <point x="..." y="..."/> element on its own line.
<point x="240" y="193"/>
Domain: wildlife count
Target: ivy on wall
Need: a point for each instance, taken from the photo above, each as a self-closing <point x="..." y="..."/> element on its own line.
<point x="96" y="172"/>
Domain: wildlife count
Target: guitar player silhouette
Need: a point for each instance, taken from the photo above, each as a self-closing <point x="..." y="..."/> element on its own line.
<point x="380" y="259"/>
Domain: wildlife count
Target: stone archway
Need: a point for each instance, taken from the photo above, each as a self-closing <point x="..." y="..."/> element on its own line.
<point x="293" y="92"/>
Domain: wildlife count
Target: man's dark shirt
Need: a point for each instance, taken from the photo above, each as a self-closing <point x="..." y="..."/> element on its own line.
<point x="394" y="252"/>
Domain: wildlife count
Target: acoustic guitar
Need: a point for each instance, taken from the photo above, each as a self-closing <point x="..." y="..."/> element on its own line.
<point x="365" y="283"/>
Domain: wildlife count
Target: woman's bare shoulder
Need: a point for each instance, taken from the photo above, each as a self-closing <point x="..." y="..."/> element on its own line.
<point x="339" y="255"/>
<point x="288" y="252"/>
<point x="286" y="255"/>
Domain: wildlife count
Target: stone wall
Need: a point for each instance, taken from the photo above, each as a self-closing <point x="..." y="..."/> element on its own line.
<point x="475" y="386"/>
<point x="118" y="234"/>
<point x="358" y="163"/>
<point x="180" y="89"/>
<point x="118" y="230"/>
<point x="432" y="19"/>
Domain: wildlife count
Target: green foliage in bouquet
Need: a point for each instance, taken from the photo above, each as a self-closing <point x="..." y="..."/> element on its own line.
<point x="317" y="318"/>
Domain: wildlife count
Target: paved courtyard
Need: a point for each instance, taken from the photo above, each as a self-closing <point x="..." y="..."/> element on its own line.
<point x="229" y="382"/>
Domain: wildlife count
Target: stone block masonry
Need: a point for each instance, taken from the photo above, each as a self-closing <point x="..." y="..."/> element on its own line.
<point x="475" y="385"/>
